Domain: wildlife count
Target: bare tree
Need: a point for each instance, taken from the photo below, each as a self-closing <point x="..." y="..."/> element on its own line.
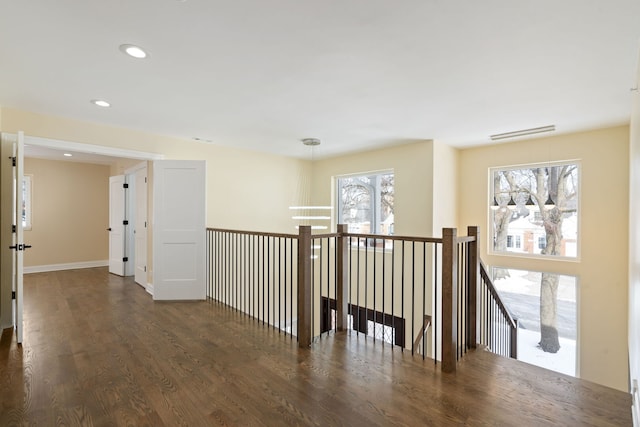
<point x="540" y="184"/>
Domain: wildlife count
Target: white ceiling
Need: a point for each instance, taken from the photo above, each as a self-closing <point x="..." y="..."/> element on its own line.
<point x="48" y="153"/>
<point x="357" y="74"/>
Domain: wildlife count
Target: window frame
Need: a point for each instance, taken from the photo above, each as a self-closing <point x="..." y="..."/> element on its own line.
<point x="577" y="293"/>
<point x="522" y="254"/>
<point x="376" y="199"/>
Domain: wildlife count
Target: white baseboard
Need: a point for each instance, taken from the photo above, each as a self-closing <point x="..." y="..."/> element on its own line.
<point x="68" y="266"/>
<point x="149" y="288"/>
<point x="635" y="403"/>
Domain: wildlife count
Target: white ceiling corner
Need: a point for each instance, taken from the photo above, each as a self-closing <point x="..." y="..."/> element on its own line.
<point x="357" y="74"/>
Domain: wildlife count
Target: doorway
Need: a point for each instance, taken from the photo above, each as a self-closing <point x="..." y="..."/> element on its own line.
<point x="115" y="161"/>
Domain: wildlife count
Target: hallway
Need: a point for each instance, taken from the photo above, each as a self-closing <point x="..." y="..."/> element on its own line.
<point x="99" y="351"/>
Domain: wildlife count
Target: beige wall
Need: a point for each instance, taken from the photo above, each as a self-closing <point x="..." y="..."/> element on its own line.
<point x="70" y="212"/>
<point x="245" y="189"/>
<point x="445" y="189"/>
<point x="634" y="243"/>
<point x="602" y="269"/>
<point x="412" y="165"/>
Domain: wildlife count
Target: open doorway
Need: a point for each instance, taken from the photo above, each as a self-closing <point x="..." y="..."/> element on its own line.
<point x="109" y="161"/>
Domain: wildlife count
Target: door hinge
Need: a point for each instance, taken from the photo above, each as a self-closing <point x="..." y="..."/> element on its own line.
<point x="145" y="224"/>
<point x="125" y="259"/>
<point x="125" y="222"/>
<point x="145" y="179"/>
<point x="13" y="228"/>
<point x="13" y="294"/>
<point x="13" y="161"/>
<point x="145" y="268"/>
<point x="125" y="185"/>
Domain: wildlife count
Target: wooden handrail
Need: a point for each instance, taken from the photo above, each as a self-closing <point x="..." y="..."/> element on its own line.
<point x="426" y="324"/>
<point x="456" y="282"/>
<point x="496" y="296"/>
<point x="394" y="237"/>
<point x="255" y="233"/>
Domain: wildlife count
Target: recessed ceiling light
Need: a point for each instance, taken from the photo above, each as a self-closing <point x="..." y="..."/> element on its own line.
<point x="68" y="155"/>
<point x="100" y="103"/>
<point x="133" y="50"/>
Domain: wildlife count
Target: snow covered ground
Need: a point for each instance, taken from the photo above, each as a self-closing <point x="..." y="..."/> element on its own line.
<point x="521" y="292"/>
<point x="563" y="361"/>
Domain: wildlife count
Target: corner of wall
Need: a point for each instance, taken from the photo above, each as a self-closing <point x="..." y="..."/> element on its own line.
<point x="445" y="187"/>
<point x="634" y="249"/>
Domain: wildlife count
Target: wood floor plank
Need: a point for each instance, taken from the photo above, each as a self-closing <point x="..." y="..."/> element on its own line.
<point x="99" y="351"/>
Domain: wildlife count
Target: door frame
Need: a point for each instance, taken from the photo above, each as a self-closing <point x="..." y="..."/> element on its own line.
<point x="132" y="211"/>
<point x="117" y="228"/>
<point x="81" y="147"/>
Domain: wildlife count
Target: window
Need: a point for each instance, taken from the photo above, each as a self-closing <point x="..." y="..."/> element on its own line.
<point x="514" y="241"/>
<point x="542" y="242"/>
<point x="545" y="305"/>
<point x="26" y="202"/>
<point x="365" y="202"/>
<point x="536" y="208"/>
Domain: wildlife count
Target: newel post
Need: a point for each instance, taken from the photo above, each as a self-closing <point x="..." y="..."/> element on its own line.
<point x="342" y="291"/>
<point x="449" y="323"/>
<point x="473" y="270"/>
<point x="304" y="286"/>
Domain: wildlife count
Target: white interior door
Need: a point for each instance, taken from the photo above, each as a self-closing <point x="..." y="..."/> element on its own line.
<point x="116" y="229"/>
<point x="140" y="224"/>
<point x="20" y="245"/>
<point x="179" y="230"/>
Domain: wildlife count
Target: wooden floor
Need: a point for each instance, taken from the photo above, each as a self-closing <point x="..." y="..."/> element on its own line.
<point x="98" y="351"/>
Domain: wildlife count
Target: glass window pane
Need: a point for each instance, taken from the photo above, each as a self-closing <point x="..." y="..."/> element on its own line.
<point x="538" y="210"/>
<point x="366" y="202"/>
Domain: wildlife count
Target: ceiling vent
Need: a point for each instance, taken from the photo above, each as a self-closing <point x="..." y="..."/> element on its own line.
<point x="523" y="132"/>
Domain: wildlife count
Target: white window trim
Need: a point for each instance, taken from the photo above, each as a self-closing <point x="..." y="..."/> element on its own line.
<point x="337" y="196"/>
<point x="492" y="252"/>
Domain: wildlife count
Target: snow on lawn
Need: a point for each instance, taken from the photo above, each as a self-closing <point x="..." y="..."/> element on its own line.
<point x="564" y="361"/>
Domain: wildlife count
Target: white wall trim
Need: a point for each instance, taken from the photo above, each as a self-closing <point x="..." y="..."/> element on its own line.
<point x="90" y="148"/>
<point x="149" y="288"/>
<point x="68" y="266"/>
<point x="135" y="168"/>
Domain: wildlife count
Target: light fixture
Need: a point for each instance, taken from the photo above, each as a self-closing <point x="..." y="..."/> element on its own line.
<point x="101" y="103"/>
<point x="495" y="205"/>
<point x="309" y="212"/>
<point x="312" y="142"/>
<point x="68" y="155"/>
<point x="529" y="201"/>
<point x="523" y="132"/>
<point x="549" y="204"/>
<point x="133" y="51"/>
<point x="511" y="204"/>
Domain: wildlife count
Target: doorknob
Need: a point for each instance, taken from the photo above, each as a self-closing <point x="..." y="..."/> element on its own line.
<point x="20" y="247"/>
<point x="109" y="229"/>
